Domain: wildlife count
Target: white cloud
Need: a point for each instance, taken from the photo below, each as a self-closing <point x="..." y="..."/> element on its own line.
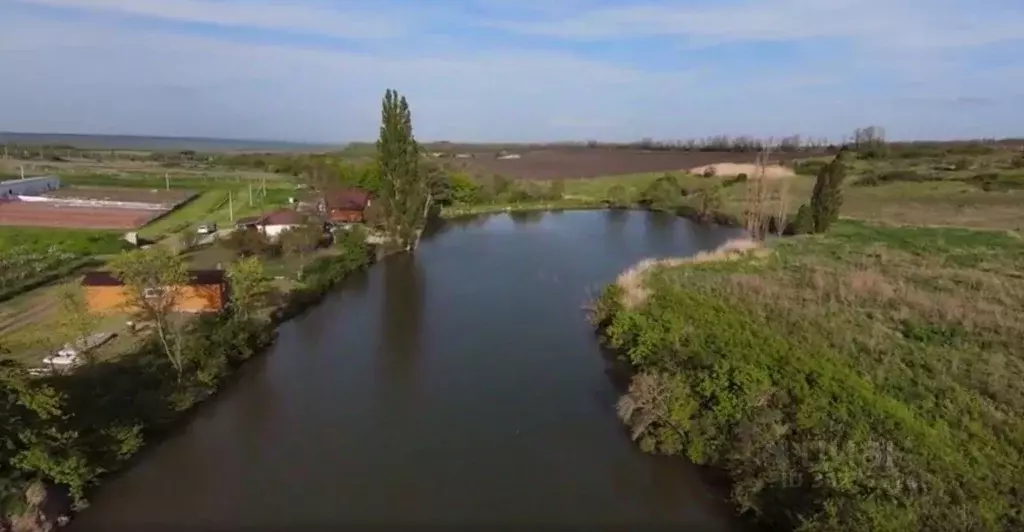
<point x="114" y="78"/>
<point x="107" y="75"/>
<point x="293" y="16"/>
<point x="906" y="23"/>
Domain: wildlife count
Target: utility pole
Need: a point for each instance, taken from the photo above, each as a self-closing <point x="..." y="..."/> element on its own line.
<point x="231" y="207"/>
<point x="250" y="193"/>
<point x="167" y="181"/>
<point x="22" y="167"/>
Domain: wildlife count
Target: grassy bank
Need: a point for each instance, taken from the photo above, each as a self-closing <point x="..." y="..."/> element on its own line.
<point x="73" y="429"/>
<point x="925" y="191"/>
<point x="870" y="379"/>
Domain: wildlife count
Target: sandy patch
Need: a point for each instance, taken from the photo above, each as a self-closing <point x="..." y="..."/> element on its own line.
<point x="631" y="281"/>
<point x="734" y="169"/>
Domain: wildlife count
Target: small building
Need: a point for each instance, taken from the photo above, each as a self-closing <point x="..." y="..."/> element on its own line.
<point x="206" y="291"/>
<point x="274" y="223"/>
<point x="346" y="205"/>
<point x="250" y="222"/>
<point x="30" y="186"/>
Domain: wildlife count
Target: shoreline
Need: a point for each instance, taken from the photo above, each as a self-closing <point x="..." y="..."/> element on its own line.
<point x="57" y="506"/>
<point x="716" y="217"/>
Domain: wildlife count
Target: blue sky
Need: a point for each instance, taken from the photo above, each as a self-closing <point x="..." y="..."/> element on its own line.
<point x="515" y="70"/>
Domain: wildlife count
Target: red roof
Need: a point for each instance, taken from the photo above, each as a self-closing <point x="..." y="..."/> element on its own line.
<point x="283" y="217"/>
<point x="347" y="199"/>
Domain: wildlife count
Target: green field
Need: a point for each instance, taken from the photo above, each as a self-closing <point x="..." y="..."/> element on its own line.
<point x="76" y="241"/>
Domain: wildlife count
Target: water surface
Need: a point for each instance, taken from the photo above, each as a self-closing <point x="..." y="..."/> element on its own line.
<point x="462" y="386"/>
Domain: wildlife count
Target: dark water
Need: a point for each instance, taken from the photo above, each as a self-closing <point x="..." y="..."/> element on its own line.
<point x="462" y="386"/>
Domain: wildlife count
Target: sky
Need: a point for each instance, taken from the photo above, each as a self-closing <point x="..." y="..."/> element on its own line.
<point x="514" y="70"/>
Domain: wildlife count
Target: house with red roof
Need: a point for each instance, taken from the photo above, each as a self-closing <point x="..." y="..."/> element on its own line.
<point x="346" y="205"/>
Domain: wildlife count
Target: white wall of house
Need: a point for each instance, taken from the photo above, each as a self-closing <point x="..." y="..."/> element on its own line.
<point x="30" y="186"/>
<point x="273" y="231"/>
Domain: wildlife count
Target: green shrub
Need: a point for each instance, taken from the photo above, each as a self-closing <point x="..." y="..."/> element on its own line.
<point x="664" y="192"/>
<point x="907" y="176"/>
<point x="810" y="168"/>
<point x="463" y="189"/>
<point x="618" y="197"/>
<point x="557" y="190"/>
<point x="803" y="222"/>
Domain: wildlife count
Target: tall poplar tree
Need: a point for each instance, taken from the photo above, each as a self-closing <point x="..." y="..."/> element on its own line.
<point x="404" y="194"/>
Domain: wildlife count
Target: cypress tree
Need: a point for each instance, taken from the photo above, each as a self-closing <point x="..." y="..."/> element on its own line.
<point x="403" y="191"/>
<point x="827" y="198"/>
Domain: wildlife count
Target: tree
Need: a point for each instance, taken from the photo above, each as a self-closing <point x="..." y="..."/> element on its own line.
<point x="827" y="197"/>
<point x="803" y="223"/>
<point x="188" y="239"/>
<point x="76" y="322"/>
<point x="404" y="193"/>
<point x="299" y="242"/>
<point x="710" y="201"/>
<point x="248" y="243"/>
<point x="153" y="279"/>
<point x="250" y="286"/>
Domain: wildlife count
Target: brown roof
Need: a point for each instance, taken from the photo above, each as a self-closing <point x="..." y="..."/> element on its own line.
<point x="249" y="220"/>
<point x="283" y="217"/>
<point x="195" y="277"/>
<point x="347" y="199"/>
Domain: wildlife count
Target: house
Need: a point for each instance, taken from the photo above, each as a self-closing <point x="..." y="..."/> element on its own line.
<point x="29" y="186"/>
<point x="346" y="205"/>
<point x="205" y="291"/>
<point x="250" y="222"/>
<point x="274" y="223"/>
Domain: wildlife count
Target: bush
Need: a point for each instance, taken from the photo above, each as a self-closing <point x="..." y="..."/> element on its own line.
<point x="618" y="197"/>
<point x="662" y="193"/>
<point x="803" y="222"/>
<point x="463" y="189"/>
<point x="810" y="168"/>
<point x="557" y="190"/>
<point x="867" y="181"/>
<point x="250" y="243"/>
<point x="710" y="171"/>
<point x="962" y="163"/>
<point x="906" y="176"/>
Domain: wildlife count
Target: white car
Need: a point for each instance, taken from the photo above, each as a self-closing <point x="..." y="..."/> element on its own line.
<point x="65" y="357"/>
<point x="207" y="229"/>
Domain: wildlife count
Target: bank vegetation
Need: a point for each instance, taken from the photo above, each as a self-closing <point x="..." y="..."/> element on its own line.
<point x="870" y="378"/>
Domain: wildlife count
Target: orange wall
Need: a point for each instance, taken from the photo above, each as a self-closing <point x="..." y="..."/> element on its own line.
<point x="193" y="298"/>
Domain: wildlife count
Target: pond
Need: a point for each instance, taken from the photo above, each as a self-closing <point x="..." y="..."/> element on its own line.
<point x="460" y="386"/>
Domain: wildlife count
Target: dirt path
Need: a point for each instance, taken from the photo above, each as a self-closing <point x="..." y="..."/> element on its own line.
<point x="16" y="316"/>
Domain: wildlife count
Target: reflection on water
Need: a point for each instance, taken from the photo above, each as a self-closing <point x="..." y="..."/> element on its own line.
<point x="526" y="217"/>
<point x="401" y="326"/>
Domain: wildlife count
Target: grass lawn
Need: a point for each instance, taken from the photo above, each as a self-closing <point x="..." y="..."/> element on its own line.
<point x="876" y="371"/>
<point x="185" y="215"/>
<point x="213" y="206"/>
<point x="30" y="325"/>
